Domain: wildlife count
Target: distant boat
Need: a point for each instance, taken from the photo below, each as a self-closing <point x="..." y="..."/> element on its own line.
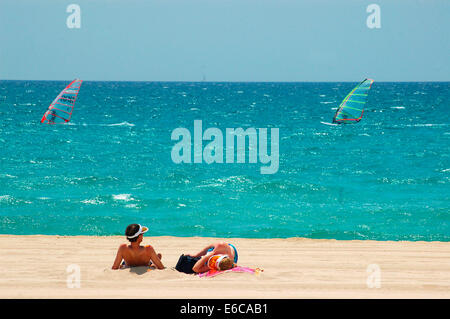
<point x="60" y="111"/>
<point x="351" y="109"/>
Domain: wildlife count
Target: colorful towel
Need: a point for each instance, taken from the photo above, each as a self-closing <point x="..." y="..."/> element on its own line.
<point x="213" y="273"/>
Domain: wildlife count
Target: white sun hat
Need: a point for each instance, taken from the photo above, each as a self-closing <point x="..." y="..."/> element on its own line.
<point x="142" y="230"/>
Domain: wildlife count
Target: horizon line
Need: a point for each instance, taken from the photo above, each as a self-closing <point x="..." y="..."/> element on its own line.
<point x="200" y="81"/>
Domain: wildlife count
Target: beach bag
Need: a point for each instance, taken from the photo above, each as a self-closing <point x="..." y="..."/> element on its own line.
<point x="185" y="264"/>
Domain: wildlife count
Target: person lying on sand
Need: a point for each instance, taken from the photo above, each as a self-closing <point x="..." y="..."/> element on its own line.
<point x="217" y="256"/>
<point x="134" y="254"/>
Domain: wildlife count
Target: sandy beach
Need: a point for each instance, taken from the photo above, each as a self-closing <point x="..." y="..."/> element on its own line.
<point x="40" y="266"/>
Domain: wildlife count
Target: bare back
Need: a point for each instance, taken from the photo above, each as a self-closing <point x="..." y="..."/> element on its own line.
<point x="136" y="255"/>
<point x="139" y="256"/>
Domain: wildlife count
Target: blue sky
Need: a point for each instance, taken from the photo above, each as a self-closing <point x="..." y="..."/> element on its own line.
<point x="225" y="40"/>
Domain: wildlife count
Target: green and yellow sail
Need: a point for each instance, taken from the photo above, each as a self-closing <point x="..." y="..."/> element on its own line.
<point x="351" y="109"/>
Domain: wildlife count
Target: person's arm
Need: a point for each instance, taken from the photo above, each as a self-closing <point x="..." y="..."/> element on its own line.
<point x="202" y="252"/>
<point x="154" y="257"/>
<point x="119" y="257"/>
<point x="202" y="264"/>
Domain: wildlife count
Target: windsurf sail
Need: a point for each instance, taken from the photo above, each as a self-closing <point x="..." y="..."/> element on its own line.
<point x="60" y="111"/>
<point x="352" y="107"/>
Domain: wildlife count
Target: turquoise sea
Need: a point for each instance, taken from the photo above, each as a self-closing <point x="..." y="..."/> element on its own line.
<point x="385" y="178"/>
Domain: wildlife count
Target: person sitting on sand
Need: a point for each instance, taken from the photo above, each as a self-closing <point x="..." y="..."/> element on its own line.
<point x="217" y="256"/>
<point x="134" y="254"/>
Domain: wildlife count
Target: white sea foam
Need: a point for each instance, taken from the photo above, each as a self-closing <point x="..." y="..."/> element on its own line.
<point x="8" y="176"/>
<point x="5" y="198"/>
<point x="124" y="197"/>
<point x="427" y="125"/>
<point x="94" y="201"/>
<point x="121" y="124"/>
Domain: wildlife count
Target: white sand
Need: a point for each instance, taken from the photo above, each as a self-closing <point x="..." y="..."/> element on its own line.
<point x="36" y="267"/>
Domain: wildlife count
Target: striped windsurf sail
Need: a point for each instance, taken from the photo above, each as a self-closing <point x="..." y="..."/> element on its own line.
<point x="352" y="107"/>
<point x="60" y="111"/>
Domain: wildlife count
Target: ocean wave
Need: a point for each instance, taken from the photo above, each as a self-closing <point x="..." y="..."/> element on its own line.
<point x="94" y="201"/>
<point x="236" y="181"/>
<point x="89" y="180"/>
<point x="411" y="181"/>
<point x="11" y="200"/>
<point x="123" y="197"/>
<point x="121" y="124"/>
<point x="7" y="176"/>
<point x="102" y="124"/>
<point x="286" y="186"/>
<point x="5" y="198"/>
<point x="427" y="125"/>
